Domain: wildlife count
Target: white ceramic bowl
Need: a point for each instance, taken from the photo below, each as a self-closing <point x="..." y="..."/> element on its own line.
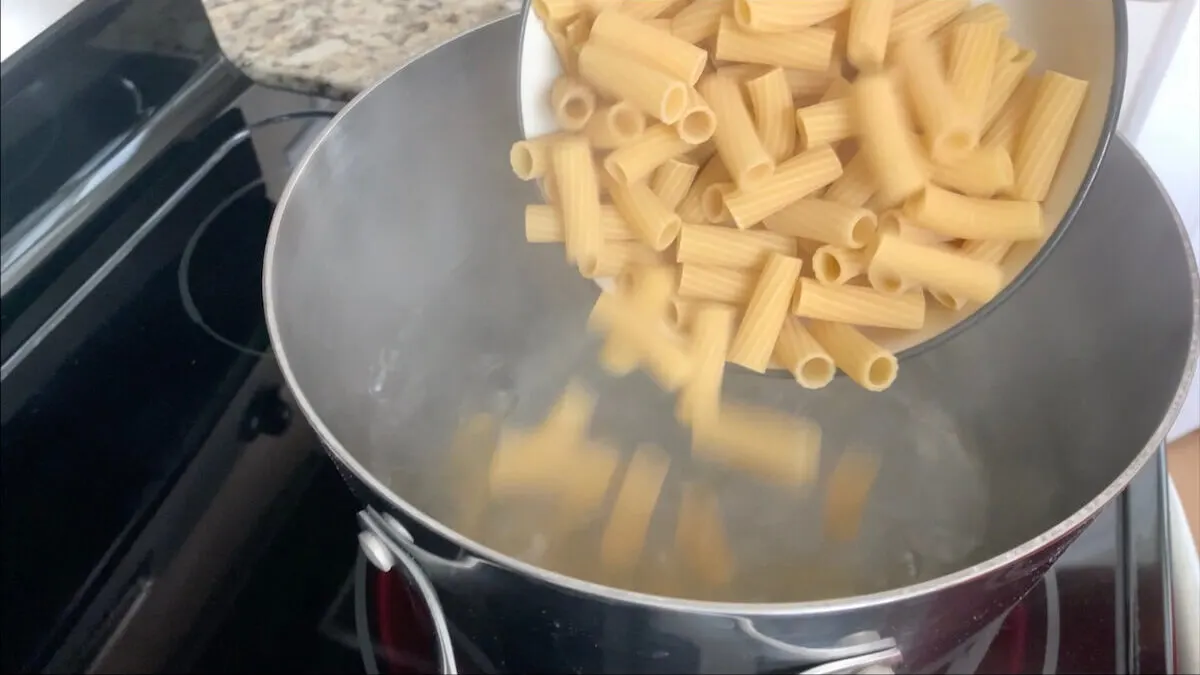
<point x="1081" y="38"/>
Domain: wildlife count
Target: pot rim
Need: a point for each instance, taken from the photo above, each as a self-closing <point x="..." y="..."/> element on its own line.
<point x="830" y="606"/>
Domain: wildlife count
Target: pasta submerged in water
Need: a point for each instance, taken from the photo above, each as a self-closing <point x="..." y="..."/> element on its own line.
<point x="763" y="178"/>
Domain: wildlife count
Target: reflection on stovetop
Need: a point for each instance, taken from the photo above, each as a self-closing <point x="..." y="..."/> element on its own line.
<point x="300" y="613"/>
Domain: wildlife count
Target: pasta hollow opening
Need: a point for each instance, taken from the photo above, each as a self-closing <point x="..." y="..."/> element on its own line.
<point x="742" y="12"/>
<point x="698" y="126"/>
<point x="946" y="300"/>
<point x="674" y="103"/>
<point x="887" y="282"/>
<point x="757" y="173"/>
<point x="882" y="372"/>
<point x="954" y="144"/>
<point x="626" y="122"/>
<point x="522" y="160"/>
<point x="863" y="231"/>
<point x="826" y="267"/>
<point x="712" y="202"/>
<point x="669" y="233"/>
<point x="816" y="371"/>
<point x="577" y="109"/>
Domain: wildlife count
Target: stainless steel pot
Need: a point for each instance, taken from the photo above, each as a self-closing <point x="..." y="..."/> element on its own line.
<point x="400" y="294"/>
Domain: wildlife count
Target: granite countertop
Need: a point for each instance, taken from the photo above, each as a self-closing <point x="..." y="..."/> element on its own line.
<point x="336" y="48"/>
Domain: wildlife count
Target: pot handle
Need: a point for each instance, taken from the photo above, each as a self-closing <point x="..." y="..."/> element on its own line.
<point x="380" y="548"/>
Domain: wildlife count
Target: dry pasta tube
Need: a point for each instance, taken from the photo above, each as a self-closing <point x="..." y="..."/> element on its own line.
<point x="615" y="125"/>
<point x="625" y="534"/>
<point x="737" y="141"/>
<point x="794" y="180"/>
<point x="544" y="225"/>
<point x="700" y="536"/>
<point x="973" y="53"/>
<point x="672" y="180"/>
<point x="623" y="77"/>
<point x="647" y="9"/>
<point x="1008" y="76"/>
<point x="867" y="39"/>
<point x="939" y="269"/>
<point x="984" y="173"/>
<point x="949" y="133"/>
<point x="825" y="123"/>
<point x="691" y="209"/>
<point x="616" y="256"/>
<point x="891" y="155"/>
<point x="847" y="493"/>
<point x="923" y="18"/>
<point x="660" y="349"/>
<point x="990" y="251"/>
<point x="583" y="481"/>
<point x="871" y="366"/>
<point x="557" y="11"/>
<point x="960" y="217"/>
<point x="858" y="306"/>
<point x="578" y="29"/>
<point x="781" y="16"/>
<point x="774" y="118"/>
<point x="727" y="247"/>
<point x="649" y="288"/>
<point x="856" y="185"/>
<point x="1045" y="134"/>
<point x="530" y="158"/>
<point x="836" y="265"/>
<point x="769" y="445"/>
<point x="1007" y="125"/>
<point x="698" y="123"/>
<point x="825" y="221"/>
<point x="573" y="103"/>
<point x="682" y="312"/>
<point x="897" y="223"/>
<point x="712" y="202"/>
<point x="712" y="330"/>
<point x="903" y="6"/>
<point x="637" y="160"/>
<point x="806" y="49"/>
<point x="655" y="224"/>
<point x="699" y="20"/>
<point x="678" y="58"/>
<point x="803" y="356"/>
<point x="716" y="284"/>
<point x="987" y="13"/>
<point x="579" y="197"/>
<point x="806" y="83"/>
<point x="759" y="331"/>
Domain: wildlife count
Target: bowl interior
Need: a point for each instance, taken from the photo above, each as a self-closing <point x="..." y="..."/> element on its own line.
<point x="1076" y="38"/>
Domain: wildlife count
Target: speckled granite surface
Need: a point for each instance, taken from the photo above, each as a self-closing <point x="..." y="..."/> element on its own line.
<point x="336" y="48"/>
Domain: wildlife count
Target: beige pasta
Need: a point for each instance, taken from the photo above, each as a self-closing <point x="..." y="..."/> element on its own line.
<point x="923" y="18"/>
<point x="682" y="311"/>
<point x="903" y="6"/>
<point x="691" y="209"/>
<point x="769" y="445"/>
<point x="616" y="256"/>
<point x="699" y="20"/>
<point x="567" y="51"/>
<point x="1045" y="134"/>
<point x="530" y="158"/>
<point x="623" y="77"/>
<point x="759" y="331"/>
<point x="807" y="49"/>
<point x="625" y="534"/>
<point x="698" y="123"/>
<point x="781" y="16"/>
<point x="726" y="247"/>
<point x="825" y="123"/>
<point x="989" y="251"/>
<point x="737" y="142"/>
<point x="717" y="284"/>
<point x="579" y="197"/>
<point x="803" y="356"/>
<point x="582" y="480"/>
<point x="711" y="332"/>
<point x="836" y="265"/>
<point x="678" y="58"/>
<point x="648" y="289"/>
<point x="847" y="492"/>
<point x="655" y="224"/>
<point x="825" y="221"/>
<point x="793" y="180"/>
<point x="771" y="99"/>
<point x="987" y="13"/>
<point x="949" y="134"/>
<point x="891" y="155"/>
<point x="961" y="217"/>
<point x="615" y="125"/>
<point x="984" y="173"/>
<point x="871" y="366"/>
<point x="543" y="224"/>
<point x="1007" y="125"/>
<point x="856" y="185"/>
<point x="805" y="83"/>
<point x="573" y="103"/>
<point x="1007" y="77"/>
<point x="638" y="159"/>
<point x="867" y="39"/>
<point x="700" y="536"/>
<point x="557" y="11"/>
<point x="662" y="351"/>
<point x="896" y="222"/>
<point x="939" y="269"/>
<point x="858" y="306"/>
<point x="712" y="201"/>
<point x="973" y="52"/>
<point x="672" y="180"/>
<point x="648" y="9"/>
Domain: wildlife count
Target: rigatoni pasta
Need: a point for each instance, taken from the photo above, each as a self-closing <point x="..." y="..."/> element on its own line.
<point x="803" y="356"/>
<point x="867" y="38"/>
<point x="973" y="51"/>
<point x="726" y="247"/>
<point x="858" y="306"/>
<point x="771" y="99"/>
<point x="544" y="224"/>
<point x="579" y="195"/>
<point x="985" y="172"/>
<point x="638" y="159"/>
<point x="961" y="217"/>
<point x="738" y="144"/>
<point x="573" y="102"/>
<point x="793" y="180"/>
<point x="1045" y="133"/>
<point x="625" y="534"/>
<point x="712" y="329"/>
<point x="825" y="123"/>
<point x="615" y="125"/>
<point x="655" y="224"/>
<point x="883" y="128"/>
<point x="774" y="447"/>
<point x="825" y="221"/>
<point x="624" y="77"/>
<point x="716" y="284"/>
<point x="939" y="269"/>
<point x="759" y="331"/>
<point x="871" y="366"/>
<point x="672" y="180"/>
<point x="781" y="16"/>
<point x="676" y="57"/>
<point x="807" y="49"/>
